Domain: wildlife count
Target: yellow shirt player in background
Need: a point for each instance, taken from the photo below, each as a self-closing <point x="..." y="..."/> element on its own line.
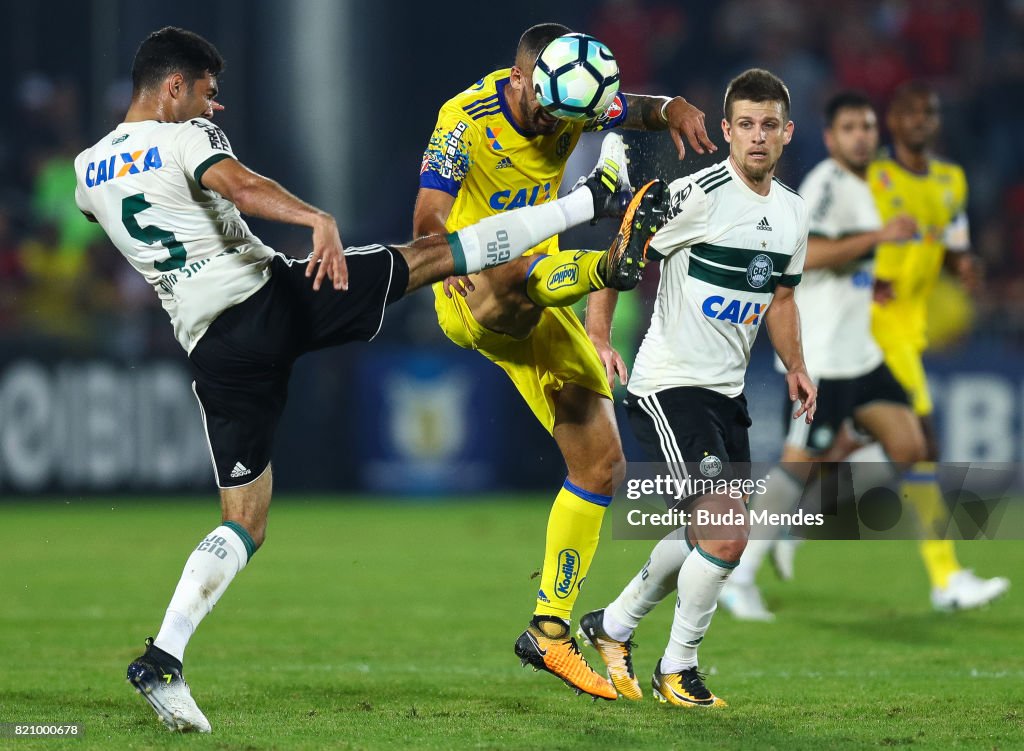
<point x="934" y="192"/>
<point x="494" y="148"/>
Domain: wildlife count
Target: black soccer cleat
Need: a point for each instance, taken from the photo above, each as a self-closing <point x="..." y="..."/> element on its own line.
<point x="627" y="256"/>
<point x="156" y="675"/>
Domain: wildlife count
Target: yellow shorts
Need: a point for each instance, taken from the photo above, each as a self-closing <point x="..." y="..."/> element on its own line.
<point x="558" y="351"/>
<point x="899" y="329"/>
<point x="904" y="360"/>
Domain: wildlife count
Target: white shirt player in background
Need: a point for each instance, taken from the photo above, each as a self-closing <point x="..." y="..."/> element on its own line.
<point x="842" y="356"/>
<point x="168" y="191"/>
<point x="733" y="250"/>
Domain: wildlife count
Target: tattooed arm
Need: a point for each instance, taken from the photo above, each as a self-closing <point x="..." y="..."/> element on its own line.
<point x="678" y="116"/>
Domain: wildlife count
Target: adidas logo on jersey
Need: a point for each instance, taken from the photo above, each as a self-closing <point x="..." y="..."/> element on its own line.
<point x="504" y="163"/>
<point x="240" y="470"/>
<point x="763" y="225"/>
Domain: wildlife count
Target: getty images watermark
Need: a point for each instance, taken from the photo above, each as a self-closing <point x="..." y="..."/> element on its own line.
<point x="837" y="501"/>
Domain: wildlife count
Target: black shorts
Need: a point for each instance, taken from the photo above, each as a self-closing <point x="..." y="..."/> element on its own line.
<point x="243" y="362"/>
<point x="838" y="400"/>
<point x="697" y="432"/>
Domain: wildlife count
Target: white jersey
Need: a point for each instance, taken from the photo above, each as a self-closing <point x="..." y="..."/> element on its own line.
<point x="835" y="303"/>
<point x="725" y="250"/>
<point x="143" y="183"/>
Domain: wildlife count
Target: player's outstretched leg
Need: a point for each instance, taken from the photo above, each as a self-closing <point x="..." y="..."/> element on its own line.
<point x="157" y="676"/>
<point x="564" y="278"/>
<point x="495" y="240"/>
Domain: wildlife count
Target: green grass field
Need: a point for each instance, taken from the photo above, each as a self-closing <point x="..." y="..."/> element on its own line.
<point x="387" y="625"/>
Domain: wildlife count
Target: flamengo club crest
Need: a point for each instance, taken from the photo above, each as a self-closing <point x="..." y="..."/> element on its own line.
<point x="759" y="271"/>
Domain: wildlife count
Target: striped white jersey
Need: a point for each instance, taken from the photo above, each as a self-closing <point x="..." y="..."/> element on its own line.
<point x="725" y="250"/>
<point x="143" y="183"/>
<point x="835" y="303"/>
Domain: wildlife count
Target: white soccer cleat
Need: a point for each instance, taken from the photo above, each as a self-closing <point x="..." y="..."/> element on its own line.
<point x="964" y="591"/>
<point x="612" y="162"/>
<point x="609" y="180"/>
<point x="745" y="603"/>
<point x="163" y="686"/>
<point x="784" y="558"/>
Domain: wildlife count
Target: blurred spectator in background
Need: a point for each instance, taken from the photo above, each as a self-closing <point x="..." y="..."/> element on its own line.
<point x="644" y="36"/>
<point x="53" y="273"/>
<point x="12" y="274"/>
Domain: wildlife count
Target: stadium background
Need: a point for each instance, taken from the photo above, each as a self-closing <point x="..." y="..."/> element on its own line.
<point x="336" y="100"/>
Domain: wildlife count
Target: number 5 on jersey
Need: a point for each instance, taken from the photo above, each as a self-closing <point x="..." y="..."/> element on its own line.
<point x="131" y="206"/>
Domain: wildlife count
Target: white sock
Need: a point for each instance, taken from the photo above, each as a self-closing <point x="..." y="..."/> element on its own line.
<point x="781" y="496"/>
<point x="700" y="583"/>
<point x="497" y="239"/>
<point x="208" y="572"/>
<point x="649" y="587"/>
<point x="871" y="468"/>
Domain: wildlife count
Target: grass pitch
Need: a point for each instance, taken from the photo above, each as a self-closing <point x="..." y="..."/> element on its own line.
<point x="370" y="625"/>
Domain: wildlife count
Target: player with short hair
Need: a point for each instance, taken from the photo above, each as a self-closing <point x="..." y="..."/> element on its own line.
<point x="733" y="250"/>
<point x="835" y="316"/>
<point x="913" y="180"/>
<point x="169" y="192"/>
<point x="854" y="383"/>
<point x="494" y="148"/>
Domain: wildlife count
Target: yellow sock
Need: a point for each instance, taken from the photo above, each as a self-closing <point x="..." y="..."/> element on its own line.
<point x="574" y="527"/>
<point x="922" y="491"/>
<point x="940" y="560"/>
<point x="561" y="279"/>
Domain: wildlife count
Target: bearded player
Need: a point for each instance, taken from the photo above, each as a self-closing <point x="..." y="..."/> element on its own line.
<point x="495" y="148"/>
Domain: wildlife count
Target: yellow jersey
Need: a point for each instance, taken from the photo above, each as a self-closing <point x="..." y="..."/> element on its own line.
<point x="478" y="154"/>
<point x="937" y="200"/>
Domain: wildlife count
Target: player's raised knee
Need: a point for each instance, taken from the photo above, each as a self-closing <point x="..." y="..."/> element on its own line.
<point x="907" y="449"/>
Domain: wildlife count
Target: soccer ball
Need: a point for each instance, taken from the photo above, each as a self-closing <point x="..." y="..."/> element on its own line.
<point x="576" y="77"/>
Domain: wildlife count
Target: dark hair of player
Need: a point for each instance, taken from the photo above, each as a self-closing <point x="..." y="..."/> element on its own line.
<point x="173" y="50"/>
<point x="909" y="90"/>
<point x="853" y="100"/>
<point x="535" y="39"/>
<point x="756" y="85"/>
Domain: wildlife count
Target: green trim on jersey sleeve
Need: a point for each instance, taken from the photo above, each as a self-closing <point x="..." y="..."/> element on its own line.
<point x="201" y="169"/>
<point x="790" y="280"/>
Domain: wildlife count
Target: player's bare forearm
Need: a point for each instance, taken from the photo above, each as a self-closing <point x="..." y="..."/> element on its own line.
<point x="644" y="112"/>
<point x="264" y="198"/>
<point x="783" y="322"/>
<point x="676" y="115"/>
<point x="600" y="311"/>
<point x="261" y="197"/>
<point x="825" y="253"/>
